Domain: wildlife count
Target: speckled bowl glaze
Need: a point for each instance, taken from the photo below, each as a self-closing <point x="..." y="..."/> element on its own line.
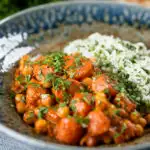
<point x="23" y="32"/>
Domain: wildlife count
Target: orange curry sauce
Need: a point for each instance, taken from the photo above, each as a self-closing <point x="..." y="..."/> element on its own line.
<point x="70" y="99"/>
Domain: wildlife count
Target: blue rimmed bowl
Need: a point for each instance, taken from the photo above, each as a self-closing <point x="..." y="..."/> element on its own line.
<point x="52" y="26"/>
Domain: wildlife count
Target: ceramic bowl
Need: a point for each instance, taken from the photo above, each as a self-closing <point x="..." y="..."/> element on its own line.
<point x="25" y="31"/>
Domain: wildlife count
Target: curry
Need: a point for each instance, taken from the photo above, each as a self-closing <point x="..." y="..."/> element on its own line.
<point x="69" y="98"/>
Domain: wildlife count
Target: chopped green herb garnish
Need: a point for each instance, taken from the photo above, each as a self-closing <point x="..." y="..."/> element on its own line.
<point x="117" y="99"/>
<point x="34" y="84"/>
<point x="27" y="78"/>
<point x="106" y="91"/>
<point x="20" y="79"/>
<point x="66" y="97"/>
<point x="52" y="96"/>
<point x="60" y="83"/>
<point x="135" y="113"/>
<point x="83" y="121"/>
<point x="124" y="127"/>
<point x="117" y="135"/>
<point x="98" y="73"/>
<point x="85" y="98"/>
<point x="31" y="115"/>
<point x="42" y="111"/>
<point x="78" y="61"/>
<point x="40" y="75"/>
<point x="57" y="99"/>
<point x="23" y="100"/>
<point x="49" y="77"/>
<point x="93" y="99"/>
<point x="92" y="48"/>
<point x="72" y="74"/>
<point x="72" y="105"/>
<point x="56" y="60"/>
<point x="96" y="42"/>
<point x="62" y="104"/>
<point x="103" y="46"/>
<point x="117" y="112"/>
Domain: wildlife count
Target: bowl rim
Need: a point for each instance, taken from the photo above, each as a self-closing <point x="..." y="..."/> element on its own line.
<point x="46" y="144"/>
<point x="34" y="8"/>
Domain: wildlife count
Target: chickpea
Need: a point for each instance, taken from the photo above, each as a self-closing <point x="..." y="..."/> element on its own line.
<point x="46" y="84"/>
<point x="101" y="100"/>
<point x="30" y="106"/>
<point x="87" y="81"/>
<point x="112" y="106"/>
<point x="134" y="117"/>
<point x="19" y="98"/>
<point x="91" y="141"/>
<point x="21" y="107"/>
<point x="29" y="117"/>
<point x="46" y="100"/>
<point x="22" y="62"/>
<point x="148" y="118"/>
<point x="139" y="130"/>
<point x="38" y="102"/>
<point x="27" y="70"/>
<point x="63" y="111"/>
<point x="142" y="122"/>
<point x="41" y="126"/>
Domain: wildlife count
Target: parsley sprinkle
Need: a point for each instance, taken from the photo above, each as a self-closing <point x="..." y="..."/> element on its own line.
<point x="49" y="77"/>
<point x="117" y="112"/>
<point x="85" y="98"/>
<point x="117" y="99"/>
<point x="23" y="100"/>
<point x="60" y="83"/>
<point x="124" y="127"/>
<point x="62" y="104"/>
<point x="20" y="78"/>
<point x="42" y="111"/>
<point x="116" y="135"/>
<point x="72" y="74"/>
<point x="134" y="113"/>
<point x="57" y="99"/>
<point x="55" y="59"/>
<point x="31" y="115"/>
<point x="83" y="121"/>
<point x="72" y="106"/>
<point x="66" y="97"/>
<point x="33" y="84"/>
<point x="93" y="99"/>
<point x="27" y="78"/>
<point x="106" y="91"/>
<point x="40" y="74"/>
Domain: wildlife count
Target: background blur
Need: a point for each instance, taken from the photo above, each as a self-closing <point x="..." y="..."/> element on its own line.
<point x="8" y="7"/>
